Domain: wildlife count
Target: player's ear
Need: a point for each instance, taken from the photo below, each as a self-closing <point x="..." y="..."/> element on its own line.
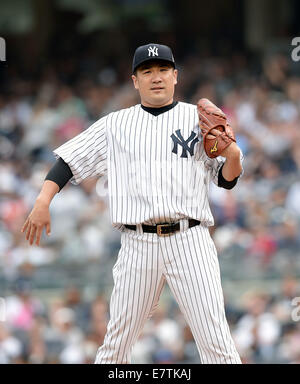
<point x="175" y="73"/>
<point x="135" y="82"/>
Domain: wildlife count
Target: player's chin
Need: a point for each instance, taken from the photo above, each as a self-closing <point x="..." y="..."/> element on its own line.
<point x="159" y="96"/>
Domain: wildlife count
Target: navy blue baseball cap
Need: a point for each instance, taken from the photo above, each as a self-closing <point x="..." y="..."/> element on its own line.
<point x="152" y="52"/>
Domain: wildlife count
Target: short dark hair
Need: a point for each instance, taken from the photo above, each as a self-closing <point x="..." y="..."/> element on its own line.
<point x="153" y="62"/>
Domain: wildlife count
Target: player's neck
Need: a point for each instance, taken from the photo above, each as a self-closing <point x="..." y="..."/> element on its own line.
<point x="147" y="104"/>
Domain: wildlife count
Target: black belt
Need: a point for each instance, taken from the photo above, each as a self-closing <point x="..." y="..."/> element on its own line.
<point x="163" y="229"/>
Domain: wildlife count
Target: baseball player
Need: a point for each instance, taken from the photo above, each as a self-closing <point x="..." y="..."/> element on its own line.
<point x="159" y="157"/>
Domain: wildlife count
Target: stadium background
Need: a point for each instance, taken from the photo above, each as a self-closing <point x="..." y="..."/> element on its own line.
<point x="67" y="64"/>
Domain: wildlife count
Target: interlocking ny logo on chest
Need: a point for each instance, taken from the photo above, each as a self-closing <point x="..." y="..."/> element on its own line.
<point x="187" y="145"/>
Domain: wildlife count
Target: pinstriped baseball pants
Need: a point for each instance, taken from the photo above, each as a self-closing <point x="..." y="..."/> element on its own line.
<point x="187" y="261"/>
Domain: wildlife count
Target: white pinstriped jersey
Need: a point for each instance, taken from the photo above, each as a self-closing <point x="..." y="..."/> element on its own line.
<point x="156" y="165"/>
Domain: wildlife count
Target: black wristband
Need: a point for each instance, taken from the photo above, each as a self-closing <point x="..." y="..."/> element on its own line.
<point x="60" y="173"/>
<point x="225" y="183"/>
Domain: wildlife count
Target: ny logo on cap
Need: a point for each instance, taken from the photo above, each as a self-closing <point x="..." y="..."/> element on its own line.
<point x="153" y="51"/>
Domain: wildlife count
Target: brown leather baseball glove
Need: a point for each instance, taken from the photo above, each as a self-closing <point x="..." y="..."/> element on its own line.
<point x="211" y="121"/>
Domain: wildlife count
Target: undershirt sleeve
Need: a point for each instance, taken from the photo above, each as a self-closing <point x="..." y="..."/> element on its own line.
<point x="225" y="183"/>
<point x="60" y="173"/>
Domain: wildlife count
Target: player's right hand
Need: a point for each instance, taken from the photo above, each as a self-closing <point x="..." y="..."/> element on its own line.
<point x="38" y="218"/>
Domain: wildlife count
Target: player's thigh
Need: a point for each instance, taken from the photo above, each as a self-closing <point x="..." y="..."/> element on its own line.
<point x="192" y="271"/>
<point x="137" y="274"/>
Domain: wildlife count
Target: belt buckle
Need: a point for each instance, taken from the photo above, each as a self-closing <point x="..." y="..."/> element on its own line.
<point x="159" y="230"/>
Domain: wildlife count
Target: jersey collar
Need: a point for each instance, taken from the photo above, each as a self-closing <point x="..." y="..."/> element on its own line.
<point x="158" y="111"/>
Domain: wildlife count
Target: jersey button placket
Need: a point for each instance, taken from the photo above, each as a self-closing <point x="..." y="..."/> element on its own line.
<point x="153" y="161"/>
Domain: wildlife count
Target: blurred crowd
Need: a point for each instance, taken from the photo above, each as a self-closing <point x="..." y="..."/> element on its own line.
<point x="68" y="329"/>
<point x="256" y="230"/>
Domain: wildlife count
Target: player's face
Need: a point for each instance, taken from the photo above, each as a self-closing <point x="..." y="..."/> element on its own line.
<point x="155" y="82"/>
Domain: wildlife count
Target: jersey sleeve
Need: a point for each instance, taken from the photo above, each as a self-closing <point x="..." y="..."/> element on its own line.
<point x="214" y="166"/>
<point x="86" y="153"/>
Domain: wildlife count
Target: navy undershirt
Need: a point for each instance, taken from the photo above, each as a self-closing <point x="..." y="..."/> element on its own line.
<point x="61" y="173"/>
<point x="158" y="111"/>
